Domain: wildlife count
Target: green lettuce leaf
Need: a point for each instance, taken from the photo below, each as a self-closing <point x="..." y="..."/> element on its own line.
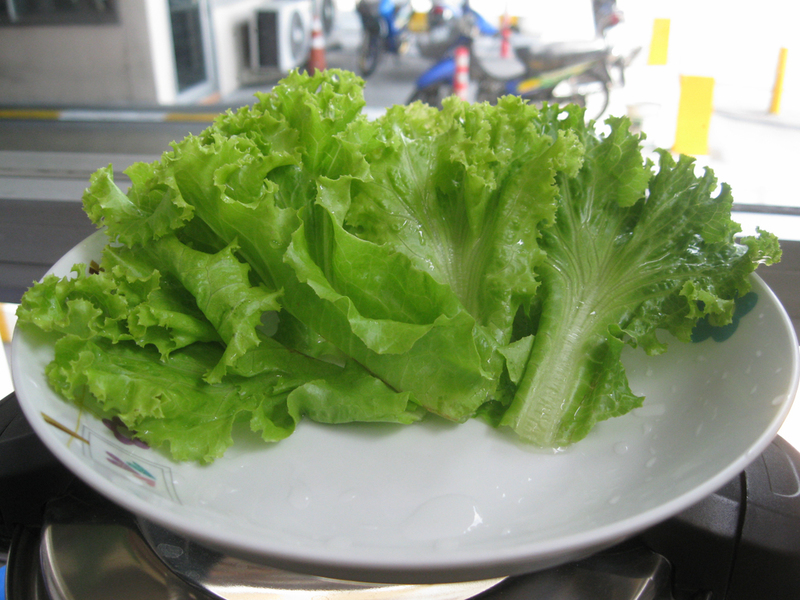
<point x="463" y="193"/>
<point x="84" y="305"/>
<point x="220" y="285"/>
<point x="170" y="402"/>
<point x="632" y="251"/>
<point x="282" y="199"/>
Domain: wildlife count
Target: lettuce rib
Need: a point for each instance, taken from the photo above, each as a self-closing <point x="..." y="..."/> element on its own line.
<point x="632" y="251"/>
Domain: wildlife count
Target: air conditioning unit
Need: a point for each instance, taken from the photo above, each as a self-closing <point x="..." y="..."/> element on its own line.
<point x="279" y="35"/>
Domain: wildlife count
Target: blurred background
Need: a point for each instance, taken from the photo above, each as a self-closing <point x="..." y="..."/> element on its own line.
<point x="85" y="83"/>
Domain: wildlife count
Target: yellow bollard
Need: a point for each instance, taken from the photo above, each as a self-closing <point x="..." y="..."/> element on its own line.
<point x="5" y="326"/>
<point x="659" y="44"/>
<point x="694" y="115"/>
<point x="777" y="90"/>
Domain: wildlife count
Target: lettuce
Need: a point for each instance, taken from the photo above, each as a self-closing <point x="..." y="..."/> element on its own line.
<point x="297" y="260"/>
<point x="632" y="252"/>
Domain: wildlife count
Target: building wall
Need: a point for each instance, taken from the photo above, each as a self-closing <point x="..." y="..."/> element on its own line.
<point x="89" y="64"/>
<point x="127" y="63"/>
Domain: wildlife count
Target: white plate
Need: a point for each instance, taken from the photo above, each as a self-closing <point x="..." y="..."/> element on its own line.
<point x="438" y="502"/>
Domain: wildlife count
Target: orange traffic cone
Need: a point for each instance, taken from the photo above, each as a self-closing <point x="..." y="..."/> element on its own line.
<point x="316" y="59"/>
<point x="461" y="77"/>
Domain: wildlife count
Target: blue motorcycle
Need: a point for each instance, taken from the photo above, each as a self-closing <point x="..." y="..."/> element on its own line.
<point x="446" y="25"/>
<point x="556" y="73"/>
<point x="385" y="29"/>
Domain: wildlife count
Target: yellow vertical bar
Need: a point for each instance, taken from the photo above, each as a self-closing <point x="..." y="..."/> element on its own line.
<point x="777" y="89"/>
<point x="5" y="330"/>
<point x="659" y="44"/>
<point x="694" y="115"/>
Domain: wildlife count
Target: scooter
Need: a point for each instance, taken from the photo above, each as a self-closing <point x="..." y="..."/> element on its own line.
<point x="385" y="29"/>
<point x="558" y="73"/>
<point x="445" y="25"/>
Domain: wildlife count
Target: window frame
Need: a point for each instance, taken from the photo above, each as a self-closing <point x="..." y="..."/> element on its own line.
<point x="82" y="16"/>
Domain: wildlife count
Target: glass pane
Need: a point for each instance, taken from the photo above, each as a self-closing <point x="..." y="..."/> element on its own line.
<point x="57" y="11"/>
<point x="187" y="40"/>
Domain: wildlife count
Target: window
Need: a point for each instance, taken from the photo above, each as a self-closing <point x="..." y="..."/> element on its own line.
<point x="187" y="41"/>
<point x="57" y="12"/>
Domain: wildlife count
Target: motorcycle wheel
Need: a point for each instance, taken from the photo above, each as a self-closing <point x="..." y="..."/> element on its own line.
<point x="369" y="55"/>
<point x="328" y="16"/>
<point x="596" y="99"/>
<point x="432" y="95"/>
<point x="591" y="92"/>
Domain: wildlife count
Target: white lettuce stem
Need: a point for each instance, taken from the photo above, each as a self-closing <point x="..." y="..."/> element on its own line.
<point x="558" y="374"/>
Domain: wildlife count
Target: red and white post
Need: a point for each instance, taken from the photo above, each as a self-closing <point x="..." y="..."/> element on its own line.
<point x="505" y="32"/>
<point x="461" y="77"/>
<point x="316" y="59"/>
